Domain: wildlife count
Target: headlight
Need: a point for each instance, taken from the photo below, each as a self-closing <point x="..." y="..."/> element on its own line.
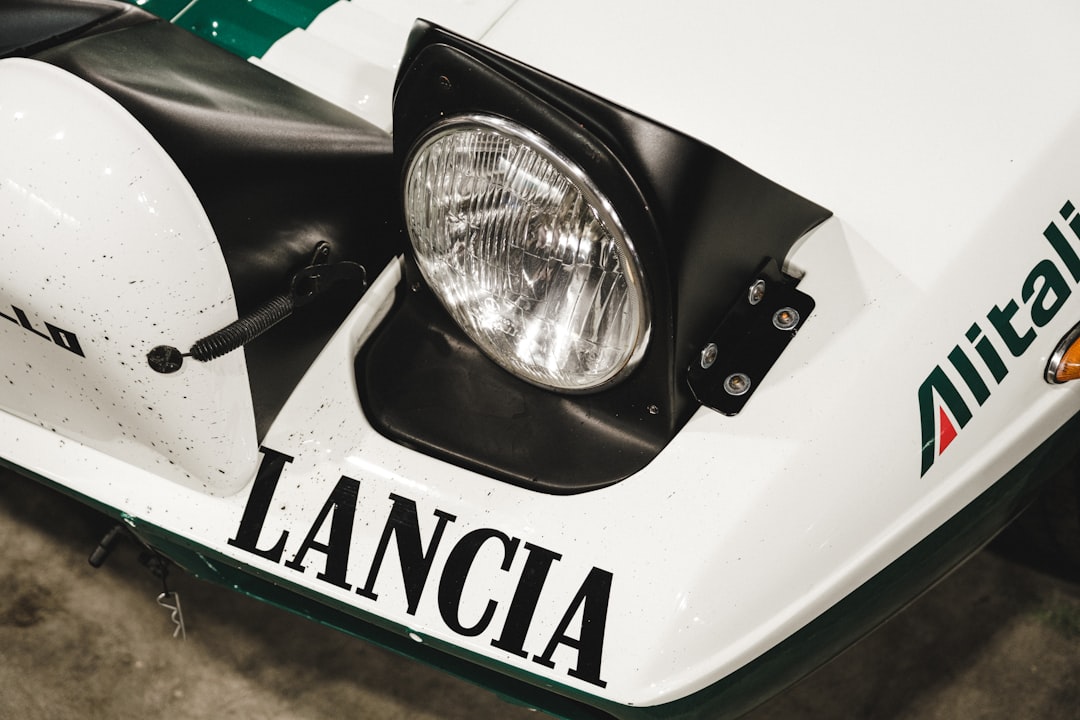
<point x="583" y="247"/>
<point x="525" y="253"/>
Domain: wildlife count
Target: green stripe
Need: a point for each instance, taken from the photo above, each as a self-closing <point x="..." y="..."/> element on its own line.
<point x="511" y="684"/>
<point x="298" y="13"/>
<point x="883" y="595"/>
<point x="247" y="28"/>
<point x="857" y="614"/>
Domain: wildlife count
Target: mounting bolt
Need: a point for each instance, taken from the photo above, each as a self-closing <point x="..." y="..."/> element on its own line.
<point x="786" y="318"/>
<point x="737" y="384"/>
<point x="708" y="355"/>
<point x="756" y="293"/>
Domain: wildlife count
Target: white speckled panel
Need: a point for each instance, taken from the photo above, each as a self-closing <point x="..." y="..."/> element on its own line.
<point x="108" y="253"/>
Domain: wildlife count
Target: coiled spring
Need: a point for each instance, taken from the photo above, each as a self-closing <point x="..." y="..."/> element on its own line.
<point x="306" y="285"/>
<point x="242" y="331"/>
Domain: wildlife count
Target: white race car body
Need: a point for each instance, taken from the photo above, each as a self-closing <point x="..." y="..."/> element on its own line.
<point x="902" y="426"/>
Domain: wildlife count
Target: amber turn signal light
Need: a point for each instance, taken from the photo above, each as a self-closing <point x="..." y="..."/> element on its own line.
<point x="1064" y="364"/>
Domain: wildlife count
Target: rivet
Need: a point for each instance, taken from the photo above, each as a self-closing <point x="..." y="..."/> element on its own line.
<point x="786" y="318"/>
<point x="653" y="409"/>
<point x="737" y="384"/>
<point x="756" y="292"/>
<point x="708" y="355"/>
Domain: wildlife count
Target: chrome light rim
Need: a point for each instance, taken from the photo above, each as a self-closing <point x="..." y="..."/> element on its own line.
<point x="631" y="264"/>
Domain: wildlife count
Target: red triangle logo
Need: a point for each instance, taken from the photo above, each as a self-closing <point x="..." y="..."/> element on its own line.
<point x="948" y="432"/>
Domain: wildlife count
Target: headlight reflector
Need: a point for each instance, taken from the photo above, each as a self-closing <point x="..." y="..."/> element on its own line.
<point x="525" y="253"/>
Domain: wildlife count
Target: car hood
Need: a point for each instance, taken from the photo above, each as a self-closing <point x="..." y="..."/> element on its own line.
<point x="895" y="117"/>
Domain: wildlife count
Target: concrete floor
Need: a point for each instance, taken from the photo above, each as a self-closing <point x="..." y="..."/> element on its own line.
<point x="997" y="639"/>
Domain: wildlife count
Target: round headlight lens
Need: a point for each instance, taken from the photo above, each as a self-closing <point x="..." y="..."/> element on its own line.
<point x="525" y="253"/>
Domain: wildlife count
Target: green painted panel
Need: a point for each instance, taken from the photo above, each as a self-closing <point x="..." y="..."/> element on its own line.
<point x="298" y="13"/>
<point x="237" y="26"/>
<point x="245" y="27"/>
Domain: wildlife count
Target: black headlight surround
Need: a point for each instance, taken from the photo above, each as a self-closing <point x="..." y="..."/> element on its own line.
<point x="701" y="222"/>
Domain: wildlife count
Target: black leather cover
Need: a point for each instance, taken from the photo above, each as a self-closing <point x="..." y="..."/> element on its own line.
<point x="276" y="168"/>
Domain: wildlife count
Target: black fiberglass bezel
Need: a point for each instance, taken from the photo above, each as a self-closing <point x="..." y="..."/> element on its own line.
<point x="597" y="201"/>
<point x="702" y="225"/>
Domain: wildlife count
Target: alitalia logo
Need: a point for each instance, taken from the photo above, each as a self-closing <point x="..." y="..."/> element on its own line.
<point x="1007" y="332"/>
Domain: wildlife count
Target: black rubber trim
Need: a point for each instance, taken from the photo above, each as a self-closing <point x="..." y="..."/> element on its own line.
<point x="427" y="385"/>
<point x="701" y="224"/>
<point x="277" y="169"/>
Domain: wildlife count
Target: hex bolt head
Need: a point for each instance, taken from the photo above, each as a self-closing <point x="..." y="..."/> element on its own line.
<point x="737" y="384"/>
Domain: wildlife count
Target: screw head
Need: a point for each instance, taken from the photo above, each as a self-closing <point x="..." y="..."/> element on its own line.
<point x="737" y="384"/>
<point x="708" y="355"/>
<point x="785" y="318"/>
<point x="653" y="409"/>
<point x="756" y="293"/>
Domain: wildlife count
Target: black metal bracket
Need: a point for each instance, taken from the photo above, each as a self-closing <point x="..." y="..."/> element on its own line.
<point x="737" y="355"/>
